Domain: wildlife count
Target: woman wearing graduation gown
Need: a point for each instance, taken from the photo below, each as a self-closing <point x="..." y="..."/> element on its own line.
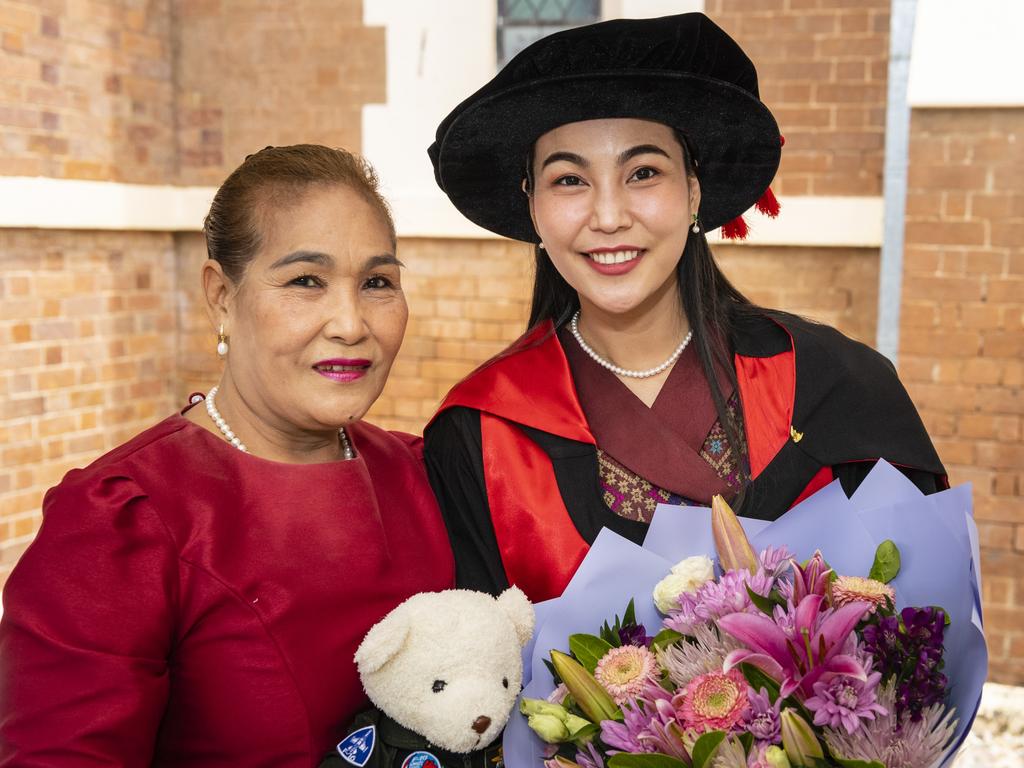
<point x="645" y="375"/>
<point x="195" y="596"/>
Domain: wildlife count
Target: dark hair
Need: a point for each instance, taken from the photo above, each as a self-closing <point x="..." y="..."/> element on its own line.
<point x="709" y="300"/>
<point x="277" y="176"/>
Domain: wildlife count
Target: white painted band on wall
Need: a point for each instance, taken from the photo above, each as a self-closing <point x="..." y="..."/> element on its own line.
<point x="45" y="203"/>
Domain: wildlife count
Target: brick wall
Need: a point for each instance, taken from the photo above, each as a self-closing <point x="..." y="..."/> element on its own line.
<point x="962" y="335"/>
<point x="87" y="337"/>
<point x="86" y="90"/>
<point x="822" y="67"/>
<point x="286" y="73"/>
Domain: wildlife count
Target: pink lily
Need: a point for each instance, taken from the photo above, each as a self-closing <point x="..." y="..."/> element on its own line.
<point x="818" y="638"/>
<point x="811" y="579"/>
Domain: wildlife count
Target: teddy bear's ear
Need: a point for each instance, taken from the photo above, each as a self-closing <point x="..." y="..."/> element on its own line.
<point x="383" y="642"/>
<point x="520" y="610"/>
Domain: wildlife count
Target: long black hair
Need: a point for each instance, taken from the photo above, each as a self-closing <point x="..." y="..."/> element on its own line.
<point x="711" y="304"/>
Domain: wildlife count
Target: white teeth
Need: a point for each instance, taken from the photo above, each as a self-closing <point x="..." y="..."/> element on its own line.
<point x="337" y="368"/>
<point x="614" y="257"/>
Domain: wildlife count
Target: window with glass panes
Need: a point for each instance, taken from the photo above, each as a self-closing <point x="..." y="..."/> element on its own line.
<point x="521" y="22"/>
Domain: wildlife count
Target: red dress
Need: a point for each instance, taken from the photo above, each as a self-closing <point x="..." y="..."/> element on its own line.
<point x="185" y="603"/>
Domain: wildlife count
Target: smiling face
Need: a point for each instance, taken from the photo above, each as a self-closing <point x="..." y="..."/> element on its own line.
<point x="612" y="202"/>
<point x="319" y="315"/>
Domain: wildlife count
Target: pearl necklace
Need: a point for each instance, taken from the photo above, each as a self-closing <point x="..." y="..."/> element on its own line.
<point x="222" y="425"/>
<point x="574" y="326"/>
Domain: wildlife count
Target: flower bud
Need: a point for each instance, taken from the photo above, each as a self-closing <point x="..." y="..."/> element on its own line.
<point x="550" y="728"/>
<point x="798" y="739"/>
<point x="589" y="695"/>
<point x="776" y="757"/>
<point x="731" y="542"/>
<point x="541" y="707"/>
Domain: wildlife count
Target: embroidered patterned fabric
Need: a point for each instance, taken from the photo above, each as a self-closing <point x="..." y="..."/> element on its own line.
<point x="631" y="496"/>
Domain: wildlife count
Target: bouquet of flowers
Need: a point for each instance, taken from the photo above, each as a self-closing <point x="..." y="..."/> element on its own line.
<point x="850" y="636"/>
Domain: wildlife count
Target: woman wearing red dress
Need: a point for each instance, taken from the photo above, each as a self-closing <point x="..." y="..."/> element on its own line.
<point x="195" y="596"/>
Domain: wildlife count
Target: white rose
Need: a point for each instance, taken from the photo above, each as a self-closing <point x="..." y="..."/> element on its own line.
<point x="686" y="576"/>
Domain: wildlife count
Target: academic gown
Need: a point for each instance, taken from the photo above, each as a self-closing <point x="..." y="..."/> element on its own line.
<point x="514" y="461"/>
<point x="185" y="603"/>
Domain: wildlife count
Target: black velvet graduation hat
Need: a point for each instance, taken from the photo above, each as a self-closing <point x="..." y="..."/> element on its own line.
<point x="683" y="71"/>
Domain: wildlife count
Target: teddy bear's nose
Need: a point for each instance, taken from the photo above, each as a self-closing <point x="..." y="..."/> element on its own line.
<point x="481" y="724"/>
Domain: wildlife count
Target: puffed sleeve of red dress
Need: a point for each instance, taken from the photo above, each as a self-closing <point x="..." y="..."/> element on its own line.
<point x="92" y="634"/>
<point x="187" y="604"/>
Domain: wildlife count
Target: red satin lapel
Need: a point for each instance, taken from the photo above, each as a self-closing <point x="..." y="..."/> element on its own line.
<point x="767" y="389"/>
<point x="529" y="384"/>
<point x="540" y="547"/>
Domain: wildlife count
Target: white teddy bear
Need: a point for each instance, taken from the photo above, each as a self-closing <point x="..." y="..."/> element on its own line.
<point x="445" y="669"/>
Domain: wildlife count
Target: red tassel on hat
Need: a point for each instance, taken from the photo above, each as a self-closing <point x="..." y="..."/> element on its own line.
<point x="736" y="229"/>
<point x="768" y="204"/>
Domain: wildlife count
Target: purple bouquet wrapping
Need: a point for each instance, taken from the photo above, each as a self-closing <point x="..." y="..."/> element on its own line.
<point x="786" y="621"/>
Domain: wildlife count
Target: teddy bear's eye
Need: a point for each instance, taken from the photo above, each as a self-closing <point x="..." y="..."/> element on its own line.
<point x="439" y="686"/>
<point x="504" y="681"/>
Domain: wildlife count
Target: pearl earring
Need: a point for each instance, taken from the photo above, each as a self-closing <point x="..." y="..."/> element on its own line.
<point x="696" y="227"/>
<point x="222" y="342"/>
<point x="541" y="246"/>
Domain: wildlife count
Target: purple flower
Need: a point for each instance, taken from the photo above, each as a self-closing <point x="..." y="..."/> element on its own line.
<point x="634" y="634"/>
<point x="845" y="701"/>
<point x="719" y="598"/>
<point x="588" y="756"/>
<point x="908" y="649"/>
<point x="763" y="718"/>
<point x="774" y="559"/>
<point x="649" y="724"/>
<point x="626" y="736"/>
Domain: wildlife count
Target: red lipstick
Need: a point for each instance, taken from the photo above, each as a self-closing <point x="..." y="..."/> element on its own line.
<point x="342" y="369"/>
<point x="615" y="268"/>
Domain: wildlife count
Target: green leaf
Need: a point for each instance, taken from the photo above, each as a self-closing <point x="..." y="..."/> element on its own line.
<point x="747" y="740"/>
<point x="588" y="650"/>
<point x="665" y="638"/>
<point x="630" y="616"/>
<point x="857" y="763"/>
<point x="887" y="562"/>
<point x="645" y="760"/>
<point x="610" y="637"/>
<point x="705" y="747"/>
<point x="762" y="602"/>
<point x="586" y="734"/>
<point x="759" y="679"/>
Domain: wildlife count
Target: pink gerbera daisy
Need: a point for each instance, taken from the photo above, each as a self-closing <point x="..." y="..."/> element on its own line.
<point x="855" y="589"/>
<point x="716" y="701"/>
<point x="625" y="671"/>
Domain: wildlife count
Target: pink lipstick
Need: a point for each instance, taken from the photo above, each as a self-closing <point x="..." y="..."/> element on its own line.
<point x="342" y="369"/>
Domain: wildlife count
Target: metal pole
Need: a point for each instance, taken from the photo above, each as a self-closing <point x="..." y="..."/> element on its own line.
<point x="894" y="186"/>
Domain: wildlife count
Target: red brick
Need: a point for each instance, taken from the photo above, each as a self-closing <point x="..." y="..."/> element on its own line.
<point x="998" y="590"/>
<point x="995" y="536"/>
<point x="1003" y="344"/>
<point x="1000" y="455"/>
<point x="1007" y="289"/>
<point x="946" y="232"/>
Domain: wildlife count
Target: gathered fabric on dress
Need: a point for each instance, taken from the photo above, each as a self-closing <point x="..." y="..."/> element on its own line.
<point x="185" y="603"/>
